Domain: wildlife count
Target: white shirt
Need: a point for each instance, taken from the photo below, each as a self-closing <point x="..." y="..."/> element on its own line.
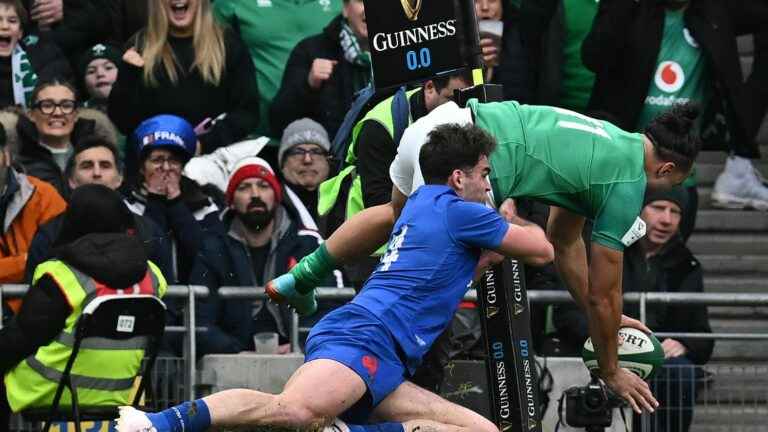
<point x="405" y="171"/>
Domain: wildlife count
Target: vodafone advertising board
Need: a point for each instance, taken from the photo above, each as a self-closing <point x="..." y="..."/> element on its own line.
<point x="414" y="40"/>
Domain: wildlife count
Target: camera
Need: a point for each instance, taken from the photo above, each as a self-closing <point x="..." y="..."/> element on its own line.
<point x="591" y="406"/>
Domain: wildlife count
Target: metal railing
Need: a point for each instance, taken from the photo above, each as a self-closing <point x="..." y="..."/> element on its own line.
<point x="185" y="369"/>
<point x="192" y="292"/>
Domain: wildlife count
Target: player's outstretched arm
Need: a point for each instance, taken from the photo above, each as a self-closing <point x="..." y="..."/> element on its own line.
<point x="564" y="231"/>
<point x="365" y="232"/>
<point x="359" y="236"/>
<point x="527" y="242"/>
<point x="604" y="306"/>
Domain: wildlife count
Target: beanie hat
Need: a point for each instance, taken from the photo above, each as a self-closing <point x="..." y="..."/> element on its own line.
<point x="303" y="131"/>
<point x="251" y="167"/>
<point x="166" y="131"/>
<point x="94" y="208"/>
<point x="99" y="51"/>
<point x="677" y="195"/>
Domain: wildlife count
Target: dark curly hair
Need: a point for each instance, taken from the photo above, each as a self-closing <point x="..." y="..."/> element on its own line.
<point x="450" y="147"/>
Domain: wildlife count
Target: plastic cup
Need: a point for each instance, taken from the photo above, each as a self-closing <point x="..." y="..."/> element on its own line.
<point x="265" y="343"/>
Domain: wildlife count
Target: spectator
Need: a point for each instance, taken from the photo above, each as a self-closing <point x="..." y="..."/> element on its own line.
<point x="176" y="204"/>
<point x="94" y="247"/>
<point x="25" y="203"/>
<point x="98" y="70"/>
<point x="660" y="262"/>
<point x="24" y="61"/>
<point x="553" y="32"/>
<point x="95" y="161"/>
<point x="324" y="72"/>
<point x="73" y="25"/>
<point x="304" y="164"/>
<point x="127" y="17"/>
<point x="47" y="133"/>
<point x="263" y="29"/>
<point x="648" y="55"/>
<point x="502" y="49"/>
<point x="489" y="14"/>
<point x="184" y="63"/>
<point x="262" y="241"/>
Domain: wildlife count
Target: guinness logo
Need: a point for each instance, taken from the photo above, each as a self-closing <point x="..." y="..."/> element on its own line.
<point x="518" y="308"/>
<point x="492" y="311"/>
<point x="411" y="8"/>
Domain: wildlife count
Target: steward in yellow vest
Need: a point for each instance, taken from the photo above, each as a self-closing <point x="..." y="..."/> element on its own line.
<point x="95" y="254"/>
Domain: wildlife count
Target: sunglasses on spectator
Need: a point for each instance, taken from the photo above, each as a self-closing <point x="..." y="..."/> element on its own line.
<point x="298" y="151"/>
<point x="48" y="106"/>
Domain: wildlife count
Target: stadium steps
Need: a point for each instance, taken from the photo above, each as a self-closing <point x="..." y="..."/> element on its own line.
<point x="727" y="243"/>
<point x="746" y="284"/>
<point x="732" y="246"/>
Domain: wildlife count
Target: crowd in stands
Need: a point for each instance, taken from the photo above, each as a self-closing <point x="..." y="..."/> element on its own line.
<point x="214" y="121"/>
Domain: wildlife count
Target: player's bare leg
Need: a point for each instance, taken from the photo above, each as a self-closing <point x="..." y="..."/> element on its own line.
<point x="415" y="406"/>
<point x="316" y="393"/>
<point x="295" y="406"/>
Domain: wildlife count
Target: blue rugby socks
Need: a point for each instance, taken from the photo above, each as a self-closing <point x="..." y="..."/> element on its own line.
<point x="188" y="417"/>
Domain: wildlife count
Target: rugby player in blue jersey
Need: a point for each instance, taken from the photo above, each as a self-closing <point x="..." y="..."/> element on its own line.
<point x="359" y="357"/>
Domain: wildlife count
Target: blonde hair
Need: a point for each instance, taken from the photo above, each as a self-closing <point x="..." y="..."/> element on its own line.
<point x="208" y="41"/>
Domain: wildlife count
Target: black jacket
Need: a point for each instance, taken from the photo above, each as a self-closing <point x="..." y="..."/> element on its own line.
<point x="128" y="17"/>
<point x="47" y="62"/>
<point x="84" y="24"/>
<point x="156" y="245"/>
<point x="296" y="99"/>
<point x="132" y="101"/>
<point x="624" y="44"/>
<point x="674" y="269"/>
<point x="542" y="31"/>
<point x="38" y="160"/>
<point x="224" y="260"/>
<point x="183" y="219"/>
<point x="117" y="260"/>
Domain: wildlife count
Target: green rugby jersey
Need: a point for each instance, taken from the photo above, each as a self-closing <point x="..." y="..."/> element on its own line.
<point x="568" y="160"/>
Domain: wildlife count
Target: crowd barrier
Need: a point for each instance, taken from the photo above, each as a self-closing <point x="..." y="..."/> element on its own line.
<point x="725" y="398"/>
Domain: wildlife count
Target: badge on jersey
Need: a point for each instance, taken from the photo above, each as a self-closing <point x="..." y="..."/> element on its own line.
<point x="635" y="233"/>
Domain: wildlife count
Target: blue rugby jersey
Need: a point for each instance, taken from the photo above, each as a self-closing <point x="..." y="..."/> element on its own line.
<point x="428" y="266"/>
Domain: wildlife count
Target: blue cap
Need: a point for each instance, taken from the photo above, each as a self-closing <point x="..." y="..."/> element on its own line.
<point x="166" y="131"/>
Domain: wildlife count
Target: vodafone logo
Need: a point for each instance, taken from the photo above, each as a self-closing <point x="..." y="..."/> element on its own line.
<point x="669" y="77"/>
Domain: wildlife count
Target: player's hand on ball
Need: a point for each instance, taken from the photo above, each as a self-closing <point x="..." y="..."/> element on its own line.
<point x="632" y="389"/>
<point x="631" y="322"/>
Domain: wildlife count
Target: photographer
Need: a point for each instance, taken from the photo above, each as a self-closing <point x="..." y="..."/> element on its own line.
<point x="660" y="262"/>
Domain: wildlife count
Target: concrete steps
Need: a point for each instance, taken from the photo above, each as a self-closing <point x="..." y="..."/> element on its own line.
<point x="734" y="264"/>
<point x="743" y="283"/>
<point x="727" y="243"/>
<point x="731" y="221"/>
<point x="706" y="173"/>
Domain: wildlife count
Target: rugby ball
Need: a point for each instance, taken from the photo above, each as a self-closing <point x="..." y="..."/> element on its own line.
<point x="639" y="352"/>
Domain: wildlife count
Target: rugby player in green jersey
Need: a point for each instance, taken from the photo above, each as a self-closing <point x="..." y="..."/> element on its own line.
<point x="583" y="167"/>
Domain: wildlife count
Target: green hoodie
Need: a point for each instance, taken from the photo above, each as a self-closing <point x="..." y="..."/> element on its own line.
<point x="271" y="29"/>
